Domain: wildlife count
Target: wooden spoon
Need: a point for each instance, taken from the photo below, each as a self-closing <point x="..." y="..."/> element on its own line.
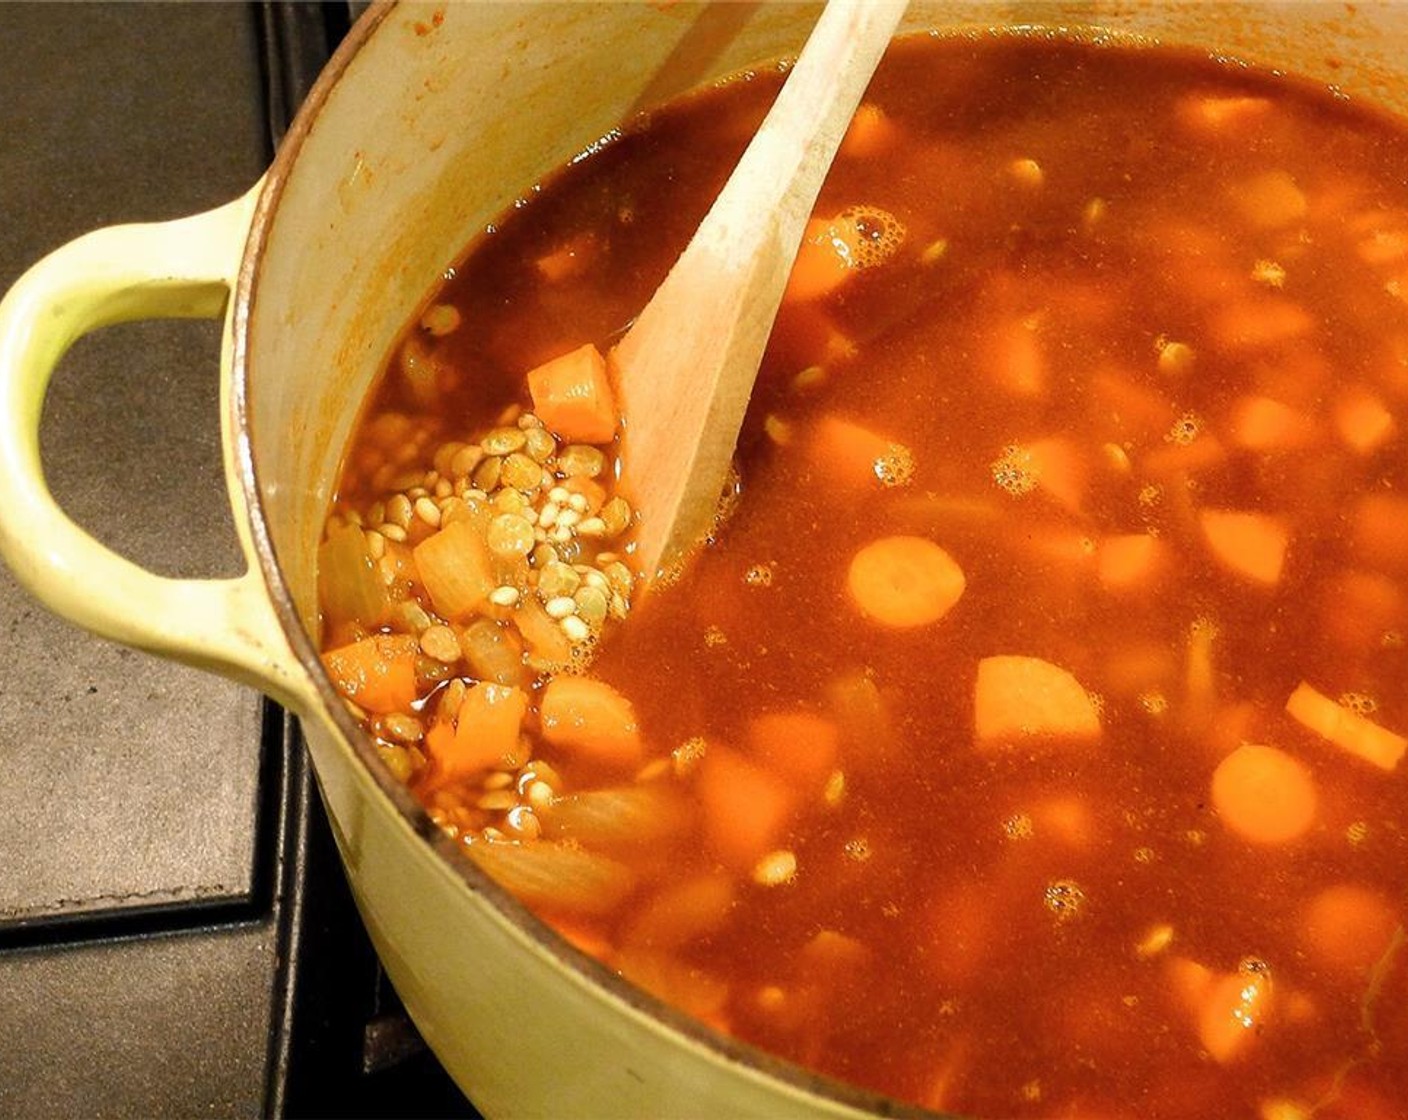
<point x="685" y="369"/>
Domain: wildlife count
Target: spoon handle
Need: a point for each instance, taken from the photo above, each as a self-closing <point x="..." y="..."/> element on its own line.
<point x="686" y="367"/>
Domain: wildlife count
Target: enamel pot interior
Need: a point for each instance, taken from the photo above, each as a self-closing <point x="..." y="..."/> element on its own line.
<point x="428" y="124"/>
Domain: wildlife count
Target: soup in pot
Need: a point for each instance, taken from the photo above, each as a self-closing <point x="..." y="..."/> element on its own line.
<point x="1027" y="738"/>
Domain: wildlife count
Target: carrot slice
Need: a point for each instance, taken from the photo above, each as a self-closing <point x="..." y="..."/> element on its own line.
<point x="486" y="736"/>
<point x="1016" y="358"/>
<point x="1265" y="424"/>
<point x="569" y="260"/>
<point x="1060" y="470"/>
<point x="902" y="582"/>
<point x="590" y="718"/>
<point x="1021" y="697"/>
<point x="848" y="454"/>
<point x="1381" y="530"/>
<point x="1364" y="422"/>
<point x="1270" y="200"/>
<point x="1129" y="561"/>
<point x="1250" y="544"/>
<point x="833" y="250"/>
<point x="796" y="744"/>
<point x="1228" y="1008"/>
<point x="1359" y="607"/>
<point x="1264" y="795"/>
<point x="572" y="396"/>
<point x="825" y="260"/>
<point x="1349" y="926"/>
<point x="870" y="132"/>
<point x="1218" y="115"/>
<point x="1234" y="1008"/>
<point x="1254" y="322"/>
<point x="1346" y="729"/>
<point x="376" y="673"/>
<point x="746" y="809"/>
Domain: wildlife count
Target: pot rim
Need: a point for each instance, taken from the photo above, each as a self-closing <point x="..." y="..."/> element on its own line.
<point x="525" y="922"/>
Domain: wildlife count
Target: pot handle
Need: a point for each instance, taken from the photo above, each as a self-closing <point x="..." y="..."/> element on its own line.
<point x="178" y="269"/>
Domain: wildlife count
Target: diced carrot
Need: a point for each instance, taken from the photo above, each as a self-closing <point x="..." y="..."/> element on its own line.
<point x="1252" y="545"/>
<point x="1066" y="819"/>
<point x="1231" y="726"/>
<point x="1271" y="200"/>
<point x="1363" y="421"/>
<point x="589" y="718"/>
<point x="1234" y="1009"/>
<point x="1061" y="470"/>
<point x="960" y="924"/>
<point x="487" y="736"/>
<point x="1189" y="981"/>
<point x="1264" y="795"/>
<point x="1349" y="926"/>
<point x="1359" y="607"/>
<point x="1015" y="357"/>
<point x="1129" y="561"/>
<point x="572" y="396"/>
<point x="1227" y="1008"/>
<point x="1140" y="666"/>
<point x="1264" y="424"/>
<point x="1383" y="246"/>
<point x="1119" y="403"/>
<point x="1255" y="322"/>
<point x="797" y="745"/>
<point x="1060" y="544"/>
<point x="847" y="454"/>
<point x="1018" y="698"/>
<point x="746" y="809"/>
<point x="871" y="131"/>
<point x="1199" y="454"/>
<point x="1199" y="674"/>
<point x="902" y="582"/>
<point x="684" y="911"/>
<point x="377" y="673"/>
<point x="1381" y="530"/>
<point x="826" y="259"/>
<point x="456" y="570"/>
<point x="1216" y="114"/>
<point x="1346" y="729"/>
<point x="568" y="260"/>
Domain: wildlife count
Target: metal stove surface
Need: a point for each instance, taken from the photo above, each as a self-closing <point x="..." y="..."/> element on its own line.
<point x="176" y="937"/>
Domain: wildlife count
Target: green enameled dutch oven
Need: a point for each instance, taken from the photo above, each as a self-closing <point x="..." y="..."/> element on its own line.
<point x="426" y="125"/>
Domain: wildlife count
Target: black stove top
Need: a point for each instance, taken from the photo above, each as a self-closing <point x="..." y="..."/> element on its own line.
<point x="176" y="936"/>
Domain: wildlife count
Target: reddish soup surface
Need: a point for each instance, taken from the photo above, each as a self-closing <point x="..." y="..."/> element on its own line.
<point x="1027" y="740"/>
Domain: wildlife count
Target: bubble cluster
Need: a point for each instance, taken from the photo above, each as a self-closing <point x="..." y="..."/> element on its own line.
<point x="1185" y="429"/>
<point x="1361" y="703"/>
<point x="1014" y="471"/>
<point x="759" y="575"/>
<point x="1064" y="898"/>
<point x="896" y="466"/>
<point x="881" y="235"/>
<point x="1018" y="827"/>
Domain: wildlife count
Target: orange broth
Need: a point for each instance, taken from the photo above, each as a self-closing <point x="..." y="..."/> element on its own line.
<point x="1116" y="832"/>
